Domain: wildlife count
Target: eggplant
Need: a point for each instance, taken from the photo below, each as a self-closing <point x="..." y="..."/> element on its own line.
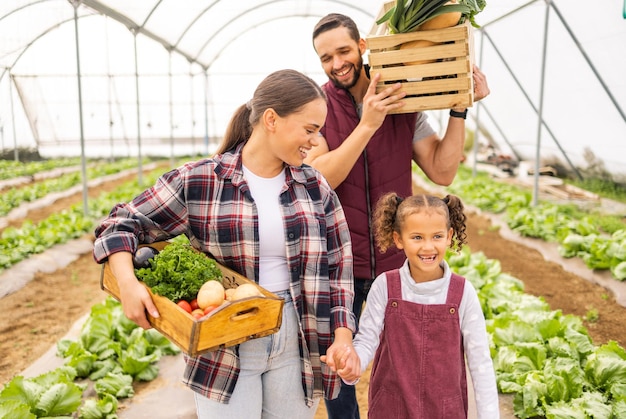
<point x="142" y="257"/>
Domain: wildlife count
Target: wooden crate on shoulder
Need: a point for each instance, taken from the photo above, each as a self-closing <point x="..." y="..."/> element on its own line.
<point x="436" y="76"/>
<point x="229" y="325"/>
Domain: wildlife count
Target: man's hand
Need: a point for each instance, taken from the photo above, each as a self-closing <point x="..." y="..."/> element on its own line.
<point x="376" y="106"/>
<point x="481" y="90"/>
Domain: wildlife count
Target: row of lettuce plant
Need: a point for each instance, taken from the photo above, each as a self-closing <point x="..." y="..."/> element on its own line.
<point x="19" y="243"/>
<point x="110" y="354"/>
<point x="16" y="196"/>
<point x="577" y="233"/>
<point x="545" y="358"/>
<point x="10" y="168"/>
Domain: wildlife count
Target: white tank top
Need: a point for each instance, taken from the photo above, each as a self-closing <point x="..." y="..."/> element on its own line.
<point x="273" y="270"/>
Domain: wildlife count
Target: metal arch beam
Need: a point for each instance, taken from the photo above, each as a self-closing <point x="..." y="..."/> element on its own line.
<point x="134" y="26"/>
<point x="248" y="29"/>
<point x="140" y="28"/>
<point x="22" y="52"/>
<point x="156" y="6"/>
<point x="501" y="17"/>
<point x="25" y="48"/>
<point x="199" y="52"/>
<point x="593" y="68"/>
<point x="30" y="44"/>
<point x="193" y="22"/>
<point x="42" y="34"/>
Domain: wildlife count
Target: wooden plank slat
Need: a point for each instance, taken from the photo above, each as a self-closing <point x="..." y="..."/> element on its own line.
<point x="434" y="76"/>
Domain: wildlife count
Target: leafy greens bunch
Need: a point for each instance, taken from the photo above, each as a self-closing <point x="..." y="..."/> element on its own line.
<point x="408" y="15"/>
<point x="178" y="271"/>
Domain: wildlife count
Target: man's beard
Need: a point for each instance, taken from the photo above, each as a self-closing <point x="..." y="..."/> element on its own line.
<point x="355" y="78"/>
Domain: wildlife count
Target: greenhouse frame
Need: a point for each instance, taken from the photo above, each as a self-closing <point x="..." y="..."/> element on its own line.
<point x="118" y="78"/>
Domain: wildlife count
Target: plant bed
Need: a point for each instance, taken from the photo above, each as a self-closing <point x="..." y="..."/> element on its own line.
<point x="228" y="325"/>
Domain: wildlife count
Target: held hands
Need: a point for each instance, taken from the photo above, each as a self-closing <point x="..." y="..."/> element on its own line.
<point x="343" y="359"/>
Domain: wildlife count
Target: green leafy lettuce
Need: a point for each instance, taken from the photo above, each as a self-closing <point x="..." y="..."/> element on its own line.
<point x="178" y="271"/>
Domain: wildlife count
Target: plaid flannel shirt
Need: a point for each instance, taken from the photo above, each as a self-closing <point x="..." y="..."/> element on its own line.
<point x="209" y="201"/>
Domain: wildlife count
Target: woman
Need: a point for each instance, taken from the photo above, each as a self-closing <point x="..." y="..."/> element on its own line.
<point x="257" y="209"/>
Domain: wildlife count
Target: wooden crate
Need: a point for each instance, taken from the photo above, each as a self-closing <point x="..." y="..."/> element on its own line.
<point x="441" y="74"/>
<point x="228" y="325"/>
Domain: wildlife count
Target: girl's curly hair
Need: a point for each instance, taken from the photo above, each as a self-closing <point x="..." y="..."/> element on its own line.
<point x="391" y="211"/>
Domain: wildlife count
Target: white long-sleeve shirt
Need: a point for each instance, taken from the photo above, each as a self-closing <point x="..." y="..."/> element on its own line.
<point x="472" y="323"/>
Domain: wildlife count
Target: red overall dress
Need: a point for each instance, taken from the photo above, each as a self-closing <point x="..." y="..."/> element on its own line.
<point x="419" y="367"/>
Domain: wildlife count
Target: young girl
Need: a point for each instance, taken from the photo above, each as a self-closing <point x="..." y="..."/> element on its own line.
<point x="257" y="209"/>
<point x="421" y="322"/>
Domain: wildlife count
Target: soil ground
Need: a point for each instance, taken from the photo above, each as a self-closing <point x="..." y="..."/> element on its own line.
<point x="36" y="316"/>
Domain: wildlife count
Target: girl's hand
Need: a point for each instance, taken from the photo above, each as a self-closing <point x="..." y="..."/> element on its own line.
<point x="343" y="359"/>
<point x="350" y="372"/>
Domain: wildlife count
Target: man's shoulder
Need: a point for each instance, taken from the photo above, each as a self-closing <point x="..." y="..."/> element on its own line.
<point x="330" y="88"/>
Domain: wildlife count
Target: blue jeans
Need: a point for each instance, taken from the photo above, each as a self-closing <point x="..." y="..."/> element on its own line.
<point x="346" y="406"/>
<point x="270" y="382"/>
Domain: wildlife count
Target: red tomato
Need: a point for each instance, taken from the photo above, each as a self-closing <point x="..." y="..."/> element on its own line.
<point x="184" y="305"/>
<point x="209" y="309"/>
<point x="197" y="313"/>
<point x="194" y="304"/>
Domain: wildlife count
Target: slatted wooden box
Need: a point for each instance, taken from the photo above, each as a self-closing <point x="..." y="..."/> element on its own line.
<point x="439" y="75"/>
<point x="228" y="325"/>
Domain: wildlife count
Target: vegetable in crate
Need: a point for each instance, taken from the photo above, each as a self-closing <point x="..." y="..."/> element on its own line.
<point x="178" y="272"/>
<point x="417" y="15"/>
<point x="211" y="294"/>
<point x="412" y="15"/>
<point x="143" y="256"/>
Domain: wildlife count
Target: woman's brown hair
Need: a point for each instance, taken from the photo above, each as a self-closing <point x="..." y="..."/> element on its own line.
<point x="285" y="91"/>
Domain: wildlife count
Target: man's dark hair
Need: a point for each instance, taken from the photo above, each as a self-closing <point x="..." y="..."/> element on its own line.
<point x="336" y="20"/>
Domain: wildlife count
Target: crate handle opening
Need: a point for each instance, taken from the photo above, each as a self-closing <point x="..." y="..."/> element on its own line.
<point x="244" y="314"/>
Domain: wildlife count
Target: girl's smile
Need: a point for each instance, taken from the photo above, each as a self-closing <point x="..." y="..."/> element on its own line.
<point x="425" y="238"/>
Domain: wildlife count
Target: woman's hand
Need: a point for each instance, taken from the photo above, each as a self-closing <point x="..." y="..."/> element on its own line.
<point x="342" y="358"/>
<point x="135" y="298"/>
<point x="136" y="302"/>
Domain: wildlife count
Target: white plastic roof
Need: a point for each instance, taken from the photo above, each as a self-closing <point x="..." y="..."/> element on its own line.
<point x="197" y="60"/>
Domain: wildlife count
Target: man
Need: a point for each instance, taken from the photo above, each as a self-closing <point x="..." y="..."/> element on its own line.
<point x="365" y="152"/>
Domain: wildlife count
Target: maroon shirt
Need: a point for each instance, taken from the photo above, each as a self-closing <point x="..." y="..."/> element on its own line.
<point x="384" y="166"/>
